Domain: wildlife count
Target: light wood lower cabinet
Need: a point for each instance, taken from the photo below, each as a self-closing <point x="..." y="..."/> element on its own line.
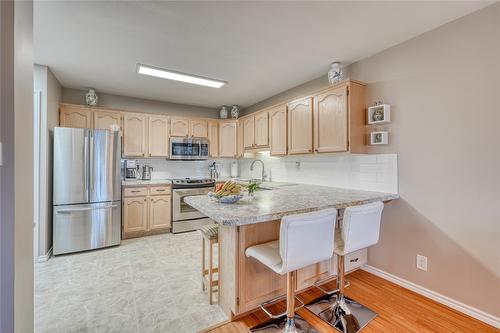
<point x="300" y="126"/>
<point x="135" y="215"/>
<point x="245" y="282"/>
<point x="159" y="212"/>
<point x="146" y="210"/>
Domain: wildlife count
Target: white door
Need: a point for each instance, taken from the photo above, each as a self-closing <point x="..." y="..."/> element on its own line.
<point x="37" y="109"/>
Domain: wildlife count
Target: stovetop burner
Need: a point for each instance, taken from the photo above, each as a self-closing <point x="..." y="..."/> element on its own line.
<point x="192" y="182"/>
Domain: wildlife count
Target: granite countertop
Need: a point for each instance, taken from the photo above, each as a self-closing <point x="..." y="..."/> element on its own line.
<point x="283" y="199"/>
<point x="134" y="182"/>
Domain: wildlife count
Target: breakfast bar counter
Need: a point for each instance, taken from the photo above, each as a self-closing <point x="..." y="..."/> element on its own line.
<point x="243" y="282"/>
<point x="280" y="199"/>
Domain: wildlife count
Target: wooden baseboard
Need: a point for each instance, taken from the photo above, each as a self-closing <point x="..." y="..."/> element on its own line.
<point x="454" y="304"/>
<point x="138" y="234"/>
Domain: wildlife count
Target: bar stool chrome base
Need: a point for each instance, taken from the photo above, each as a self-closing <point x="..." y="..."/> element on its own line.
<point x="285" y="325"/>
<point x="345" y="314"/>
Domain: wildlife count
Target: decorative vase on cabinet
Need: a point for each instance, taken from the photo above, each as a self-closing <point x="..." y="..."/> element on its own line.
<point x="223" y="113"/>
<point x="235" y="112"/>
<point x="91" y="98"/>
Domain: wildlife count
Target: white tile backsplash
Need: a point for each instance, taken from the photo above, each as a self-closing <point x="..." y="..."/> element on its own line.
<point x="364" y="172"/>
<point x="167" y="169"/>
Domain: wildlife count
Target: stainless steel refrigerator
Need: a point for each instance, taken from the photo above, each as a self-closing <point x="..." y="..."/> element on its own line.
<point x="87" y="189"/>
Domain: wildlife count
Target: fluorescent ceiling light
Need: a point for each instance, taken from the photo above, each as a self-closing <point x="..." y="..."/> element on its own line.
<point x="177" y="76"/>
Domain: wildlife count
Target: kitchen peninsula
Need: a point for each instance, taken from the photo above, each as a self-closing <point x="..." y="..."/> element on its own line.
<point x="243" y="282"/>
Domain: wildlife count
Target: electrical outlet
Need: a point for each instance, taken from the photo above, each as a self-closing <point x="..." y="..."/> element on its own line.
<point x="422" y="262"/>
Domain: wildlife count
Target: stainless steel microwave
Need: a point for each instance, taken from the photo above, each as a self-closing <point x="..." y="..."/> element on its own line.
<point x="188" y="149"/>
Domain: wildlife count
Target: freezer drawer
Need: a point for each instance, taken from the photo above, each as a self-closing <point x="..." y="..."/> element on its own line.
<point x="86" y="227"/>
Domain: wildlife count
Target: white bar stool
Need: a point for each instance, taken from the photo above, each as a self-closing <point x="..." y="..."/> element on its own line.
<point x="305" y="239"/>
<point x="360" y="229"/>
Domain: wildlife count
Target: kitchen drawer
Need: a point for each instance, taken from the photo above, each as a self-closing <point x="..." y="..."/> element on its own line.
<point x="135" y="191"/>
<point x="159" y="190"/>
<point x="356" y="259"/>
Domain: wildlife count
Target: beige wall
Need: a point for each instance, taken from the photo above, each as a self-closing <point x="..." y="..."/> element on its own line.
<point x="16" y="173"/>
<point x="444" y="89"/>
<point x="51" y="93"/>
<point x="76" y="96"/>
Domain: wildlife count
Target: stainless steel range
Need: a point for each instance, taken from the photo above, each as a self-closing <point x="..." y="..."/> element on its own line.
<point x="185" y="217"/>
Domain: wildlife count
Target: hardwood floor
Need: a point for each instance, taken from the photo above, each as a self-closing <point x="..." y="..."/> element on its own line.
<point x="399" y="310"/>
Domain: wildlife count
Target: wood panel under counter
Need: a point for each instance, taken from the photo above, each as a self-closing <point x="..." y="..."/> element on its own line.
<point x="244" y="283"/>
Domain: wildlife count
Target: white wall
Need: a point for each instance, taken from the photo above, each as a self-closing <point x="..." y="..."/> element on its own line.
<point x="51" y="92"/>
<point x="364" y="172"/>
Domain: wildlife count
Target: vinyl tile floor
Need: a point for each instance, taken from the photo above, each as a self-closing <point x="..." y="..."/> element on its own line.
<point x="149" y="284"/>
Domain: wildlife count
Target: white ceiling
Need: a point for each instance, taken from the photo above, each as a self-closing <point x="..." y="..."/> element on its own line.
<point x="260" y="48"/>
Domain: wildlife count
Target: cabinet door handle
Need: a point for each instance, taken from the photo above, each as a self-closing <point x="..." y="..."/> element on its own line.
<point x="354" y="260"/>
<point x="160" y="190"/>
<point x="135" y="191"/>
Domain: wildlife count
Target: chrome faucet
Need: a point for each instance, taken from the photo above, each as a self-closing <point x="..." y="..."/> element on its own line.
<point x="263" y="172"/>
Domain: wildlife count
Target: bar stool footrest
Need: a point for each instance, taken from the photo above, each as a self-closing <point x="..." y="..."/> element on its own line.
<point x="318" y="285"/>
<point x="275" y="300"/>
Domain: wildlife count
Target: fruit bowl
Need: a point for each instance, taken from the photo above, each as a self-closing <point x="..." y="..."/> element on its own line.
<point x="228" y="199"/>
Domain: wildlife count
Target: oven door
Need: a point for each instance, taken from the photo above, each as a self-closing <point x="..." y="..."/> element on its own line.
<point x="183" y="211"/>
<point x="184" y="149"/>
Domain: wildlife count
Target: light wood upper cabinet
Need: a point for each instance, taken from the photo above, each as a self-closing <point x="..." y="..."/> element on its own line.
<point x="240" y="150"/>
<point x="158" y="136"/>
<point x="227" y="139"/>
<point x="262" y="129"/>
<point x="75" y="116"/>
<point x="107" y="120"/>
<point x="248" y="132"/>
<point x="198" y="128"/>
<point x="135" y="218"/>
<point x="331" y="121"/>
<point x="134" y="135"/>
<point x="159" y="212"/>
<point x="277" y="127"/>
<point x="213" y="137"/>
<point x="300" y="126"/>
<point x="179" y="127"/>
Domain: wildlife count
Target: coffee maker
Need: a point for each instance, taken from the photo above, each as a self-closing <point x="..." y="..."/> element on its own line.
<point x="131" y="169"/>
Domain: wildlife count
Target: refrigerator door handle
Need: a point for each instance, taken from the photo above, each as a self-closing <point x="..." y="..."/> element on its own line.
<point x="91" y="164"/>
<point x="68" y="211"/>
<point x="87" y="165"/>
